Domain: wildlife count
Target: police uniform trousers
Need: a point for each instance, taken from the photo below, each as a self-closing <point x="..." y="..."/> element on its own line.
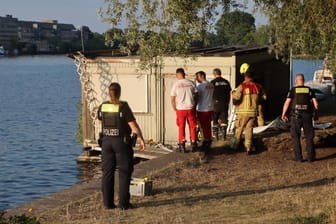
<point x="116" y="154"/>
<point x="302" y="120"/>
<point x="245" y="122"/>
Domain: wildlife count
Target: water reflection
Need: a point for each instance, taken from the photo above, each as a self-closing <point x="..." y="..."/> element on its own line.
<point x="88" y="171"/>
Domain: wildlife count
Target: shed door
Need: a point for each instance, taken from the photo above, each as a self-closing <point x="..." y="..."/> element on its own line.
<point x="170" y="127"/>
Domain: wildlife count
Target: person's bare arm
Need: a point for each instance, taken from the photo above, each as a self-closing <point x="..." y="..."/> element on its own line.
<point x="285" y="108"/>
<point x="315" y="103"/>
<point x="173" y="102"/>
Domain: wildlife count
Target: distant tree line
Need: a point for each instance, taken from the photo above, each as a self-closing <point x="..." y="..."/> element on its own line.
<point x="159" y="27"/>
<point x="233" y="28"/>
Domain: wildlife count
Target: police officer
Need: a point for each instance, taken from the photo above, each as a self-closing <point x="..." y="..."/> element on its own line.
<point x="300" y="98"/>
<point x="118" y="122"/>
<point x="246" y="97"/>
<point x="221" y="97"/>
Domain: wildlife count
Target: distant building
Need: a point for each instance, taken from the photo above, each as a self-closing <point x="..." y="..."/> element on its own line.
<point x="8" y="30"/>
<point x="43" y="35"/>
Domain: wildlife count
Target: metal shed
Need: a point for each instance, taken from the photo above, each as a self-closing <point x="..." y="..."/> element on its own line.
<point x="148" y="91"/>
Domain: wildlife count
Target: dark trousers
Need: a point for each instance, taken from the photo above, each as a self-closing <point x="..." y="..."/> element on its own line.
<point x="116" y="154"/>
<point x="302" y="120"/>
<point x="220" y="112"/>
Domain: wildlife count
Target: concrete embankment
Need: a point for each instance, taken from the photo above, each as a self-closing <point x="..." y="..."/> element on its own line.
<point x="83" y="190"/>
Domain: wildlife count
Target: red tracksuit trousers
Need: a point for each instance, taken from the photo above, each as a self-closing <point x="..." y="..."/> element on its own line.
<point x="181" y="117"/>
<point x="205" y="119"/>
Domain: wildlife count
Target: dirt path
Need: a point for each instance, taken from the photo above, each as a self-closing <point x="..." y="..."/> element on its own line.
<point x="267" y="187"/>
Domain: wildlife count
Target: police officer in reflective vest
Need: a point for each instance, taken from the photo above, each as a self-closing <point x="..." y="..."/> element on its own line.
<point x="246" y="98"/>
<point x="118" y="122"/>
<point x="303" y="102"/>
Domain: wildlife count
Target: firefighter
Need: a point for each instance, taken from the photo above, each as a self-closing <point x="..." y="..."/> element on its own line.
<point x="118" y="122"/>
<point x="303" y="103"/>
<point x="246" y="97"/>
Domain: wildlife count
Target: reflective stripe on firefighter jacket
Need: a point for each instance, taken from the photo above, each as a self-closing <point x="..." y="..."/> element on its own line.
<point x="247" y="96"/>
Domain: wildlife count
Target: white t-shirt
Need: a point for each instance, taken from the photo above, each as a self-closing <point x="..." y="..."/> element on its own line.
<point x="184" y="90"/>
<point x="205" y="97"/>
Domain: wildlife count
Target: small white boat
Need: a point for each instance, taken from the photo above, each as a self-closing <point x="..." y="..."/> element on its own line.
<point x="323" y="82"/>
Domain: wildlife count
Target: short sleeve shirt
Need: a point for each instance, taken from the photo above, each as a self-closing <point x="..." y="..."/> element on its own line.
<point x="205" y="97"/>
<point x="184" y="91"/>
<point x="125" y="110"/>
<point x="222" y="89"/>
<point x="301" y="98"/>
<point x="126" y="115"/>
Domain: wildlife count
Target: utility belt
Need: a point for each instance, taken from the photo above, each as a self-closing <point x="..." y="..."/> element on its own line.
<point x="297" y="114"/>
<point x="130" y="139"/>
<point x="127" y="139"/>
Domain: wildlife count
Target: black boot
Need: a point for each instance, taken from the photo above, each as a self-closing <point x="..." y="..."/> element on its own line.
<point x="181" y="147"/>
<point x="223" y="131"/>
<point x="207" y="146"/>
<point x="193" y="146"/>
<point x="215" y="132"/>
<point x="205" y="150"/>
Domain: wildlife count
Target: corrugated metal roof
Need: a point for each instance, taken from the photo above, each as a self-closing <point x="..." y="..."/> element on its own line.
<point x="229" y="50"/>
<point x="213" y="51"/>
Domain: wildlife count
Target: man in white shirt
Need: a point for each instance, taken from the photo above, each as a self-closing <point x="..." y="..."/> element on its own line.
<point x="183" y="102"/>
<point x="204" y="108"/>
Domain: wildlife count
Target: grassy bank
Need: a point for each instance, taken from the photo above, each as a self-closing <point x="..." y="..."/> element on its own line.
<point x="232" y="188"/>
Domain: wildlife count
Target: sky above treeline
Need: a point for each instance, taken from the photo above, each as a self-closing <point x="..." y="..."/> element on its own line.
<point x="76" y="12"/>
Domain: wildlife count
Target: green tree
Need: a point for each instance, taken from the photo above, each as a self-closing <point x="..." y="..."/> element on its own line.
<point x="96" y="42"/>
<point x="154" y="28"/>
<point x="262" y="35"/>
<point x="235" y="28"/>
<point x="115" y="38"/>
<point x="303" y="27"/>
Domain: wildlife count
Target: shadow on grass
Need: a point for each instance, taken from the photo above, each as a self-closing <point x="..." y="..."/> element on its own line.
<point x="216" y="196"/>
<point x="332" y="156"/>
<point x="180" y="189"/>
<point x="226" y="149"/>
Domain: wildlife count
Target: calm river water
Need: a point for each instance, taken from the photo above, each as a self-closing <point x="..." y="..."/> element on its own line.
<point x="38" y="120"/>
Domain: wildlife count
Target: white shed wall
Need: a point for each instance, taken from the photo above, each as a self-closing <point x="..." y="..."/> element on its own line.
<point x="206" y="64"/>
<point x="139" y="89"/>
<point x="148" y="92"/>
